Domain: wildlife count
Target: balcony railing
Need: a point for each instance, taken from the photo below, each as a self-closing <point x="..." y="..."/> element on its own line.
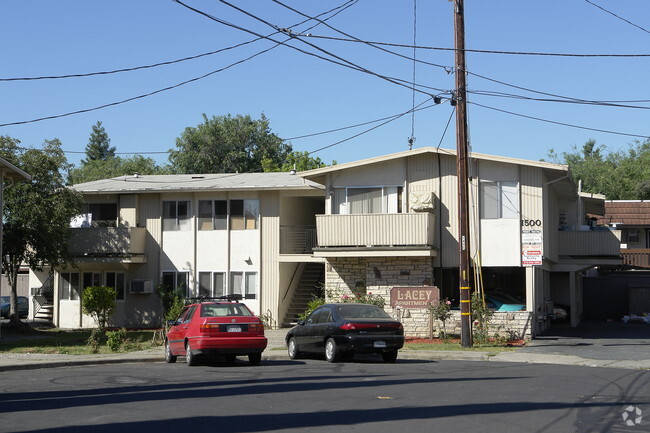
<point x="590" y="243"/>
<point x="636" y="257"/>
<point x="373" y="230"/>
<point x="297" y="239"/>
<point x="119" y="242"/>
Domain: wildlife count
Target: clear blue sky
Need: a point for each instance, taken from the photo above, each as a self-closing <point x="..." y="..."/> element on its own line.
<point x="301" y="94"/>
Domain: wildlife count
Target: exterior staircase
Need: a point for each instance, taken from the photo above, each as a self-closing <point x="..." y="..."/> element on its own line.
<point x="43" y="301"/>
<point x="309" y="287"/>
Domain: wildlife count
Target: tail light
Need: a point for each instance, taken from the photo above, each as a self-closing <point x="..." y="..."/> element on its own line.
<point x="354" y="326"/>
<point x="206" y="328"/>
<point x="256" y="327"/>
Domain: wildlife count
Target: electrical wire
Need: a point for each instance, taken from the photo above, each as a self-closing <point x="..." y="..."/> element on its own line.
<point x="584" y="102"/>
<point x="559" y="123"/>
<point x="468" y="50"/>
<point x="617" y="16"/>
<point x="411" y="139"/>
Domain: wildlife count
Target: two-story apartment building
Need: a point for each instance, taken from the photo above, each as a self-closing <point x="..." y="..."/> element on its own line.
<point x="392" y="221"/>
<point x="211" y="234"/>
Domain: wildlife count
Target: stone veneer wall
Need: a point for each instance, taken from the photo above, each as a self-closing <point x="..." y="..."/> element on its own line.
<point x="380" y="274"/>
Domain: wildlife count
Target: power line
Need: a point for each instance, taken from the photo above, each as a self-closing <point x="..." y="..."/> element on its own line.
<point x="467" y="50"/>
<point x="559" y="123"/>
<point x="565" y="101"/>
<point x="617" y="16"/>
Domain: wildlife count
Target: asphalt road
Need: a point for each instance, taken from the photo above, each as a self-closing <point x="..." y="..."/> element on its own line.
<point x="312" y="395"/>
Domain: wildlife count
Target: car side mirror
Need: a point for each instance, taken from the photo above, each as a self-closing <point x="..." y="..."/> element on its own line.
<point x="171" y="323"/>
<point x="301" y="322"/>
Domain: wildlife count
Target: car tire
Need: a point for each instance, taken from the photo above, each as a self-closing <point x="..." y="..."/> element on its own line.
<point x="169" y="358"/>
<point x="190" y="358"/>
<point x="292" y="349"/>
<point x="332" y="352"/>
<point x="390" y="356"/>
<point x="255" y="358"/>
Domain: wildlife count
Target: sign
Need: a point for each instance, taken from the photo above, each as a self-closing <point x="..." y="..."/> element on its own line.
<point x="531" y="247"/>
<point x="414" y="297"/>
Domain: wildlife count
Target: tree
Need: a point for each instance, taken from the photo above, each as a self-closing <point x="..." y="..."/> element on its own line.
<point x="98" y="147"/>
<point x="622" y="175"/>
<point x="297" y="160"/>
<point x="113" y="167"/>
<point x="36" y="214"/>
<point x="227" y="144"/>
<point x="99" y="302"/>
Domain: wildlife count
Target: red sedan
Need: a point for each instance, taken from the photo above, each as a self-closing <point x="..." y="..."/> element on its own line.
<point x="211" y="328"/>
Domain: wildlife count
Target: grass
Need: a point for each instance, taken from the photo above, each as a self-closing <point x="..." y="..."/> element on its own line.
<point x="58" y="341"/>
<point x="453" y="346"/>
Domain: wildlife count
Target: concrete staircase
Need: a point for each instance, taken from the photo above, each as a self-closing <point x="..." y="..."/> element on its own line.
<point x="308" y="288"/>
<point x="45" y="313"/>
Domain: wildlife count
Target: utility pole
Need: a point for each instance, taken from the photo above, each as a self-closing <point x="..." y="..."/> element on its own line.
<point x="462" y="164"/>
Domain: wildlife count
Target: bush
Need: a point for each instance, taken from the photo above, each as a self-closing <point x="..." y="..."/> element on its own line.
<point x="99" y="302"/>
<point x="115" y="339"/>
<point x="95" y="339"/>
<point x="311" y="306"/>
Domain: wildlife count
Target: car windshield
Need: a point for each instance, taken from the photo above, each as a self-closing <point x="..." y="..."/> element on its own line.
<point x="359" y="311"/>
<point x="4" y="299"/>
<point x="222" y="310"/>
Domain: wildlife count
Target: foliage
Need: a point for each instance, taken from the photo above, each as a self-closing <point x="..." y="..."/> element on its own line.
<point x="441" y="311"/>
<point x="296" y="160"/>
<point x="311" y="306"/>
<point x="114" y="167"/>
<point x="172" y="299"/>
<point x="227" y="144"/>
<point x="99" y="302"/>
<point x="98" y="147"/>
<point x="481" y="315"/>
<point x="36" y="214"/>
<point x="115" y="339"/>
<point x="95" y="339"/>
<point x="622" y="175"/>
<point x="364" y="298"/>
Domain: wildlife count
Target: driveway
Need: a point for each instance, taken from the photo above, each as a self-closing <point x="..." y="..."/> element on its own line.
<point x="595" y="340"/>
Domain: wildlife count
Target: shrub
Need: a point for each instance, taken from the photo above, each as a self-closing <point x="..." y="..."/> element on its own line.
<point x="95" y="339"/>
<point x="115" y="339"/>
<point x="99" y="302"/>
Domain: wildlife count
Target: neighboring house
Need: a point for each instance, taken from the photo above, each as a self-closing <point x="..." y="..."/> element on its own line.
<point x="632" y="218"/>
<point x="210" y="234"/>
<point x="392" y="221"/>
<point x="12" y="173"/>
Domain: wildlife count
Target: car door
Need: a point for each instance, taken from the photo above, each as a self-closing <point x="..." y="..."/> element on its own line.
<point x="304" y="335"/>
<point x="321" y="329"/>
<point x="176" y="334"/>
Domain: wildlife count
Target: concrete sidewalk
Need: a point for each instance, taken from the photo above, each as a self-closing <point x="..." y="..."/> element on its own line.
<point x="276" y="351"/>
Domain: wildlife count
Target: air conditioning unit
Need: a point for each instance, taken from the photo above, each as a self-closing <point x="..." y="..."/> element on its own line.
<point x="140" y="286"/>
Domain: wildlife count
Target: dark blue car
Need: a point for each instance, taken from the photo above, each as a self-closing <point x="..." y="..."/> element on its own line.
<point x="23" y="307"/>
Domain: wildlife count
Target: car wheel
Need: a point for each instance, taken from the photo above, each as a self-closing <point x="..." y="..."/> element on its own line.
<point x="255" y="358"/>
<point x="390" y="356"/>
<point x="292" y="348"/>
<point x="230" y="359"/>
<point x="332" y="352"/>
<point x="190" y="358"/>
<point x="169" y="358"/>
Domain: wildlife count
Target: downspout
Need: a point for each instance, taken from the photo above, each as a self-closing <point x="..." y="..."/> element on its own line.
<point x="195" y="227"/>
<point x="228" y="242"/>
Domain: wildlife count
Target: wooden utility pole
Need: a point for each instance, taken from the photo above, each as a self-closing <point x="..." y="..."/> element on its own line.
<point x="462" y="164"/>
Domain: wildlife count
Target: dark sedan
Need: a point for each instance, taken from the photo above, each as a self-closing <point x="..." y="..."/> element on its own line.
<point x="341" y="330"/>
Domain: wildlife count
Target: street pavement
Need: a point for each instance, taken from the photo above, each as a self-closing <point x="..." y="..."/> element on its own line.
<point x="614" y="345"/>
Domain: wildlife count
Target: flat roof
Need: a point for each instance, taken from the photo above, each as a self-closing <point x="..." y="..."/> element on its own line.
<point x="197" y="182"/>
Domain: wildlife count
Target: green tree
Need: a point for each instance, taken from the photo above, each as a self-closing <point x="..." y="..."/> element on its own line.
<point x="297" y="160"/>
<point x="113" y="167"/>
<point x="621" y="175"/>
<point x="36" y="214"/>
<point x="98" y="302"/>
<point x="227" y="144"/>
<point x="98" y="147"/>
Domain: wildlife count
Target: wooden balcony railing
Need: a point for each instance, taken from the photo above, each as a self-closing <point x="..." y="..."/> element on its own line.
<point x="372" y="230"/>
<point x="636" y="257"/>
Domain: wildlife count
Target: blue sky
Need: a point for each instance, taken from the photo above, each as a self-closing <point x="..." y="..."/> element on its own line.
<point x="301" y="94"/>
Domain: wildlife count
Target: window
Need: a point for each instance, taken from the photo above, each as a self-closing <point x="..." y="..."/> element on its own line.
<point x="102" y="214"/>
<point x="211" y="284"/>
<point x="244" y="284"/>
<point x="69" y="285"/>
<point x="177" y="280"/>
<point x="116" y="281"/>
<point x="244" y="214"/>
<point x="381" y="199"/>
<point x="176" y="215"/>
<point x="499" y="200"/>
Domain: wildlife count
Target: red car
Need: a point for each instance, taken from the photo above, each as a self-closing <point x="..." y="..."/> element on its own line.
<point x="215" y="327"/>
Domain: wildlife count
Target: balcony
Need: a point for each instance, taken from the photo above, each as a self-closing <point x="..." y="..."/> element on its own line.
<point x="297" y="239"/>
<point x="108" y="244"/>
<point x="376" y="234"/>
<point x="590" y="243"/>
<point x="636" y="257"/>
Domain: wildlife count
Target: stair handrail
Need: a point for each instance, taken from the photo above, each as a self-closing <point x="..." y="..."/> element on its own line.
<point x="43" y="295"/>
<point x="286" y="292"/>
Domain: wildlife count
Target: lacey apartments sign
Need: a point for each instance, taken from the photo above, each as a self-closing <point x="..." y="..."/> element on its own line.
<point x="414" y="297"/>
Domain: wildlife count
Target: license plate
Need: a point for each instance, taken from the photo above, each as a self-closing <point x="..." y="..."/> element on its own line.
<point x="234" y="328"/>
<point x="379" y="344"/>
